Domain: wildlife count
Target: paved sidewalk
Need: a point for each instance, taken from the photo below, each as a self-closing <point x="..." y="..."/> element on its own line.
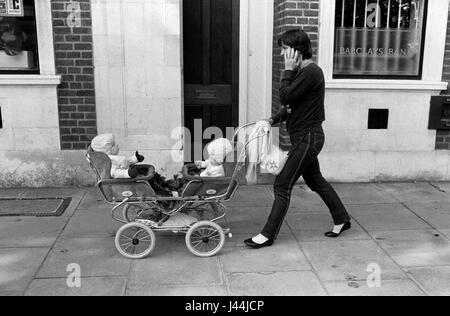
<point x="404" y="229"/>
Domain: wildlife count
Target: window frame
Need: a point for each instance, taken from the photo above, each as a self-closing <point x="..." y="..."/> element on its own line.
<point x="36" y="71"/>
<point x="393" y="77"/>
<point x="433" y="53"/>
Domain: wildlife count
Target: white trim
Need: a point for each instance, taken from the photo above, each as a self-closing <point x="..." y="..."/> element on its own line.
<point x="37" y="80"/>
<point x="326" y="37"/>
<point x="269" y="57"/>
<point x="255" y="60"/>
<point x="386" y="84"/>
<point x="243" y="61"/>
<point x="44" y="29"/>
<point x="435" y="37"/>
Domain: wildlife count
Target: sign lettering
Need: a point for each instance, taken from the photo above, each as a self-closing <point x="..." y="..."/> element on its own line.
<point x="12" y="8"/>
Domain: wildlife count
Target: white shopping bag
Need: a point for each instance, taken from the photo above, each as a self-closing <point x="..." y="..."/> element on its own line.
<point x="275" y="161"/>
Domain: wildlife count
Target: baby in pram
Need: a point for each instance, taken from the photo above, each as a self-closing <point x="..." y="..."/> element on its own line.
<point x="129" y="167"/>
<point x="217" y="150"/>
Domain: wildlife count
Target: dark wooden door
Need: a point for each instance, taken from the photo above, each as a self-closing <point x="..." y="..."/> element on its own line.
<point x="211" y="68"/>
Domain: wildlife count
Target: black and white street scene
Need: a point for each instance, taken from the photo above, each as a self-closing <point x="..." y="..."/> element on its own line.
<point x="224" y="149"/>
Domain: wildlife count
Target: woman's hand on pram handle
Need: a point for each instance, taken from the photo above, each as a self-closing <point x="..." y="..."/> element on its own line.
<point x="270" y="121"/>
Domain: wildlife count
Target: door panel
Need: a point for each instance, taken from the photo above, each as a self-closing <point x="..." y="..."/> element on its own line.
<point x="211" y="66"/>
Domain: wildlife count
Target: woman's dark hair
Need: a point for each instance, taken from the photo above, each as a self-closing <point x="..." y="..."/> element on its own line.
<point x="298" y="40"/>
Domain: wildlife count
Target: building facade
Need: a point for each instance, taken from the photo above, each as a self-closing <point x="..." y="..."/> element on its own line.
<point x="144" y="69"/>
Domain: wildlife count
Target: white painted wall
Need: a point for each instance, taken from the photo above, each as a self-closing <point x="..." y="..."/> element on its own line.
<point x="403" y="152"/>
<point x="137" y="57"/>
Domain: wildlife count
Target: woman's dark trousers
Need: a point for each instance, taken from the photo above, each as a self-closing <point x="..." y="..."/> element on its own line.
<point x="303" y="161"/>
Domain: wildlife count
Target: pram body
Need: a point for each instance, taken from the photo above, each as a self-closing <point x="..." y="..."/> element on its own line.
<point x="194" y="212"/>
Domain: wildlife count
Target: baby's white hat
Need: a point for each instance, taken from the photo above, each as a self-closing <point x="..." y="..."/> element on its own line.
<point x="103" y="143"/>
<point x="219" y="149"/>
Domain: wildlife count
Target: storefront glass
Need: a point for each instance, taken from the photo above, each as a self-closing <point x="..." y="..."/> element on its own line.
<point x="379" y="38"/>
<point x="18" y="39"/>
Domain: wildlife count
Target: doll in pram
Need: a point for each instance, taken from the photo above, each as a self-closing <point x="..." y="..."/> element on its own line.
<point x="194" y="210"/>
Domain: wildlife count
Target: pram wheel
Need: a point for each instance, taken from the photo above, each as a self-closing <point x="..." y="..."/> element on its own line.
<point x="135" y="241"/>
<point x="205" y="239"/>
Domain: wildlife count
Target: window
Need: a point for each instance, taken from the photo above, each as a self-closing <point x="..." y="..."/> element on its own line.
<point x="379" y="38"/>
<point x="18" y="39"/>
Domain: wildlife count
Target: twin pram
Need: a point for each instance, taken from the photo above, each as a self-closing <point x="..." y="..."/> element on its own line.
<point x="194" y="210"/>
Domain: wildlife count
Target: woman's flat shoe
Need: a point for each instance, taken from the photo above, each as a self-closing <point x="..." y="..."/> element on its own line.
<point x="250" y="243"/>
<point x="332" y="234"/>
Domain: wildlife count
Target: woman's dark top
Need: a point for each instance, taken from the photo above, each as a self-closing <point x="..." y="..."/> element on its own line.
<point x="302" y="95"/>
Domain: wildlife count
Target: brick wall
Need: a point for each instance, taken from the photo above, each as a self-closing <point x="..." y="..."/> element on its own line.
<point x="290" y="14"/>
<point x="74" y="62"/>
<point x="443" y="137"/>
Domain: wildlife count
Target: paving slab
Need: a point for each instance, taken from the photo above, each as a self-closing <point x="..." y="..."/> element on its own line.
<point x="18" y="268"/>
<point x="436" y="213"/>
<point x="413" y="192"/>
<point x="93" y="201"/>
<point x="434" y="280"/>
<point x="362" y="194"/>
<point x="304" y="200"/>
<point x="446" y="233"/>
<point x="97" y="257"/>
<point x="284" y="255"/>
<point x="250" y="220"/>
<point x="11" y="193"/>
<point x="387" y="217"/>
<point x="86" y="224"/>
<point x="173" y="265"/>
<point x="106" y="286"/>
<point x="294" y="283"/>
<point x="312" y="226"/>
<point x="415" y="248"/>
<point x="22" y="232"/>
<point x="443" y="186"/>
<point x="177" y="291"/>
<point x="344" y="260"/>
<point x="387" y="288"/>
<point x="55" y="192"/>
<point x="251" y="196"/>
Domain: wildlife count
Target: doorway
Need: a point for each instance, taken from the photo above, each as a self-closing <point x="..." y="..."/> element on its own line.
<point x="211" y="70"/>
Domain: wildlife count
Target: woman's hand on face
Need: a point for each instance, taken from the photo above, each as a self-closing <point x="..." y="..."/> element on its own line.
<point x="291" y="59"/>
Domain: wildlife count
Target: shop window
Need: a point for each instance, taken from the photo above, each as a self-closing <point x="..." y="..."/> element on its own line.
<point x="379" y="38"/>
<point x="18" y="39"/>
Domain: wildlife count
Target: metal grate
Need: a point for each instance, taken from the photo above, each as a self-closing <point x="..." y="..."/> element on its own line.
<point x="38" y="207"/>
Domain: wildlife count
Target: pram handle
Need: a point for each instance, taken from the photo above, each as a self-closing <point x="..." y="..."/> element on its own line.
<point x="240" y="128"/>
